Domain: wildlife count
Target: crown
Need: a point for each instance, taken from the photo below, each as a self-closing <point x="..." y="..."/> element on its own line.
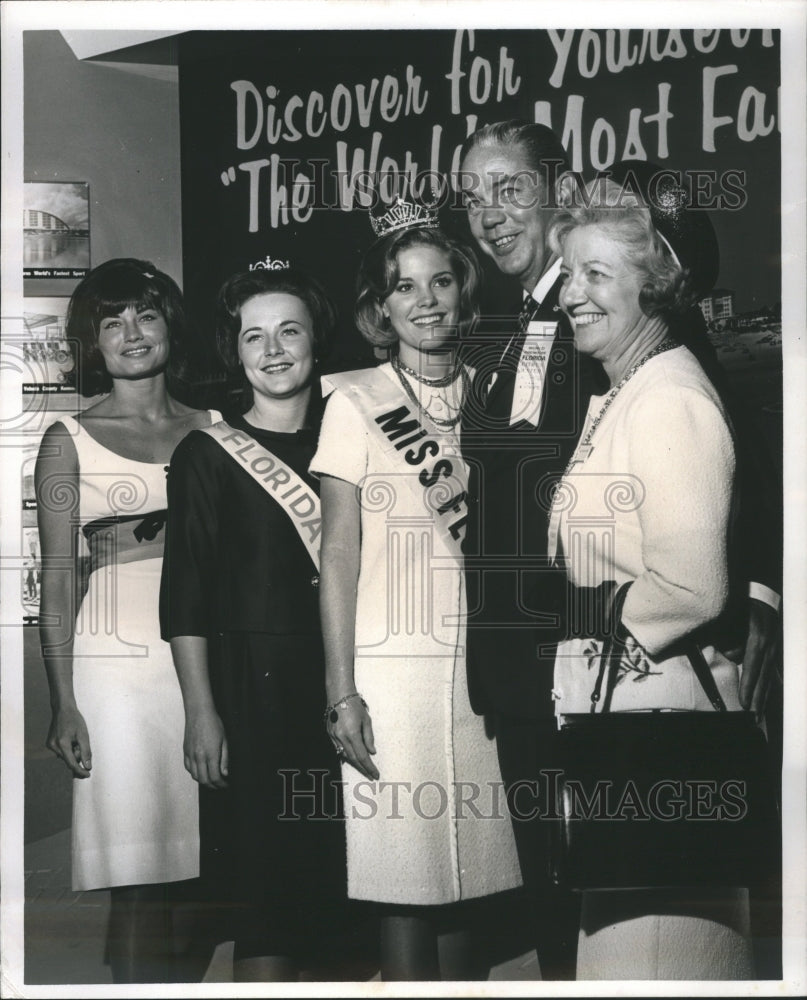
<point x="403" y="215"/>
<point x="267" y="264"/>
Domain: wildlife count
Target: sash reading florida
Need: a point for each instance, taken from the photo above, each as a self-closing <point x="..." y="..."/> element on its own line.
<point x="299" y="502"/>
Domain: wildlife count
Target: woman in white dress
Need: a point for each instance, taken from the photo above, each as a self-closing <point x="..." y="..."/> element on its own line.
<point x="646" y="501"/>
<point x="427" y="825"/>
<point x="117" y="717"/>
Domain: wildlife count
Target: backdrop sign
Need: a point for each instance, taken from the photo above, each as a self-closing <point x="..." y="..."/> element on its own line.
<point x="288" y="137"/>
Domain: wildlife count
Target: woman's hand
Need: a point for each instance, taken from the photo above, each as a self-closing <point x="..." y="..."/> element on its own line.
<point x="56" y="478"/>
<point x="348" y="723"/>
<point x="352" y="735"/>
<point x="205" y="748"/>
<point x="68" y="738"/>
<point x="205" y="745"/>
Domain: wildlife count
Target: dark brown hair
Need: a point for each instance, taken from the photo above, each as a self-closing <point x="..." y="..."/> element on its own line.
<point x="239" y="288"/>
<point x="108" y="290"/>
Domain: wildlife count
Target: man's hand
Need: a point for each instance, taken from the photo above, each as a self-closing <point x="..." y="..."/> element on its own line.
<point x="760" y="660"/>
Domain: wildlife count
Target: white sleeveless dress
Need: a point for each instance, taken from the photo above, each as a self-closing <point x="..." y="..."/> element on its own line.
<point x="135" y="819"/>
<point x="435" y="828"/>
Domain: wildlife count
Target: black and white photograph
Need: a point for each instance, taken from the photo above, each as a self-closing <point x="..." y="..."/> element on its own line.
<point x="404" y="498"/>
<point x="56" y="225"/>
<point x="45" y="350"/>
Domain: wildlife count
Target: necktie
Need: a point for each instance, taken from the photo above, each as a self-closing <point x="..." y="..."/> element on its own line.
<point x="512" y="353"/>
<point x="505" y="374"/>
<point x="529" y="309"/>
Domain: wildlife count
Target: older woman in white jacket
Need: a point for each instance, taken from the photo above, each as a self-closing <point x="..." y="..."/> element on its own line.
<point x="646" y="499"/>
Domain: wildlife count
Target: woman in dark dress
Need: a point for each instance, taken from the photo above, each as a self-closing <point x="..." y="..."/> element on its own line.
<point x="239" y="604"/>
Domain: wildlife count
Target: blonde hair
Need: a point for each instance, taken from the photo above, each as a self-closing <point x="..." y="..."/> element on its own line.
<point x="379" y="273"/>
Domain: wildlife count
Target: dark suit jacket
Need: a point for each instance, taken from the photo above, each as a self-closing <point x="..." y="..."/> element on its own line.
<point x="512" y="470"/>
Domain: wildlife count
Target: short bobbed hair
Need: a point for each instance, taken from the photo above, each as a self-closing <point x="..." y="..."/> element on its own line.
<point x="241" y="287"/>
<point x="667" y="289"/>
<point x="108" y="290"/>
<point x="379" y="274"/>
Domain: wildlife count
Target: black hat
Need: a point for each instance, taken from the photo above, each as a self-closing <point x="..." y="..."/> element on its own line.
<point x="688" y="231"/>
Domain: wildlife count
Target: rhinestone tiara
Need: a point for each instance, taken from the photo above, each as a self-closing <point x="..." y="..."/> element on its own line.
<point x="403" y="215"/>
<point x="267" y="264"/>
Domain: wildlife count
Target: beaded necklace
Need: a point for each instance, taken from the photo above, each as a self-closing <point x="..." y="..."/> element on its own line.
<point x="581" y="450"/>
<point x="459" y="372"/>
<point x="433" y="383"/>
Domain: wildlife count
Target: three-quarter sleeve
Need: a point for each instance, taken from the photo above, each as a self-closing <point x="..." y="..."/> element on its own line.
<point x="681" y="450"/>
<point x="343" y="448"/>
<point x="189" y="571"/>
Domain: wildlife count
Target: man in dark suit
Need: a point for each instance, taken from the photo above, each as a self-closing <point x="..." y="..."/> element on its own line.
<point x="519" y="430"/>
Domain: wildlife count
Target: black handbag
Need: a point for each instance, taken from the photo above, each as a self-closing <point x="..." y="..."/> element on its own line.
<point x="649" y="799"/>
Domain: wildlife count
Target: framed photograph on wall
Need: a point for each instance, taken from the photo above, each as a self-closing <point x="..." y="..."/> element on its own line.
<point x="56" y="229"/>
<point x="47" y="356"/>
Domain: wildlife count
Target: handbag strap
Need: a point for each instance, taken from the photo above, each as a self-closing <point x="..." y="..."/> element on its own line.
<point x="704" y="674"/>
<point x="614" y="648"/>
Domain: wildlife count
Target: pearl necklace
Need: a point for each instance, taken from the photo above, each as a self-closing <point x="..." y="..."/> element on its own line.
<point x="459" y="372"/>
<point x="433" y="383"/>
<point x="665" y="345"/>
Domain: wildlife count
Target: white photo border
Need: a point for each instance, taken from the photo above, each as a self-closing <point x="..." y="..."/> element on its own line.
<point x="790" y="16"/>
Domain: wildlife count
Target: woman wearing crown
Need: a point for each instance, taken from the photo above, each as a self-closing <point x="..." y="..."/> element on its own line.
<point x="427" y="824"/>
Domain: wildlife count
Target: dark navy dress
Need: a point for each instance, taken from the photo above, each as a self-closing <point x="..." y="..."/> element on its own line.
<point x="237" y="573"/>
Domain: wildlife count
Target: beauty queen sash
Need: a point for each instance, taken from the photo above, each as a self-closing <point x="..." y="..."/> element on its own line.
<point x="435" y="477"/>
<point x="297" y="500"/>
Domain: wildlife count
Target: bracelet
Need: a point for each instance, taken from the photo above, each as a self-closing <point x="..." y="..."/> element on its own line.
<point x="332" y="715"/>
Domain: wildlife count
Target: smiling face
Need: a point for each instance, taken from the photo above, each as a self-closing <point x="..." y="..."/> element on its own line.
<point x="424" y="307"/>
<point x="276" y="344"/>
<point x="503" y="198"/>
<point x="134" y="343"/>
<point x="600" y="293"/>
